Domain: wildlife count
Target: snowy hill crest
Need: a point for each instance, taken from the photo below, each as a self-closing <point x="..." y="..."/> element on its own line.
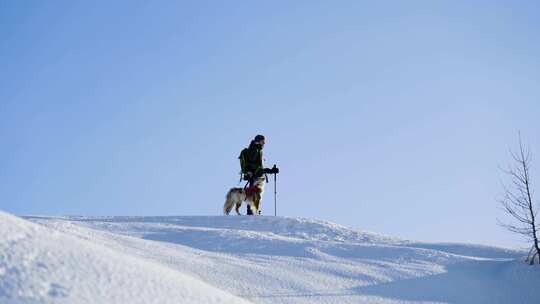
<point x="216" y="259"/>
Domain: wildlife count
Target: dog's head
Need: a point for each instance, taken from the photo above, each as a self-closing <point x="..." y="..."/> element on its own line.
<point x="259" y="183"/>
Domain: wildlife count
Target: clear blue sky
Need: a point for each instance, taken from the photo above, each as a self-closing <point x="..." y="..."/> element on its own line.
<point x="387" y="116"/>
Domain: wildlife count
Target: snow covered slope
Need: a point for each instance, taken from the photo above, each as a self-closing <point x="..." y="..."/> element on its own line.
<point x="43" y="265"/>
<point x="262" y="260"/>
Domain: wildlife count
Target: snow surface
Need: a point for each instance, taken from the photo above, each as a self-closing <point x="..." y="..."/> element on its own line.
<point x="43" y="265"/>
<point x="220" y="259"/>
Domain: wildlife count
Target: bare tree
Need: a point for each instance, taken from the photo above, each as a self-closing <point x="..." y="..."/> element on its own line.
<point x="518" y="202"/>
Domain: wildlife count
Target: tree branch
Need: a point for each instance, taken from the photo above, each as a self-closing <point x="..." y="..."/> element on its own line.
<point x="518" y="200"/>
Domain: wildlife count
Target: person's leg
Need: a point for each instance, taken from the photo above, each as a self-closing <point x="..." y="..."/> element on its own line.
<point x="248" y="210"/>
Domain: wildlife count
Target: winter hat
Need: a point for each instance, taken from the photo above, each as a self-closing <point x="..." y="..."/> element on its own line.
<point x="259" y="138"/>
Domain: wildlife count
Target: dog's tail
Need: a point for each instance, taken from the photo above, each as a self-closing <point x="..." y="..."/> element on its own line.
<point x="227" y="207"/>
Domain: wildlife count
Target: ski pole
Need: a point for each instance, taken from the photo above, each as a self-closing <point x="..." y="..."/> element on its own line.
<point x="275" y="194"/>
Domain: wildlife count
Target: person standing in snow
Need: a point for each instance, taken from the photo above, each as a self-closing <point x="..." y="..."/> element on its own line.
<point x="251" y="162"/>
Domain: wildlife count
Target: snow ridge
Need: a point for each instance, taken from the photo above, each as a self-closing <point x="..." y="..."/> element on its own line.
<point x="259" y="259"/>
<point x="43" y="265"/>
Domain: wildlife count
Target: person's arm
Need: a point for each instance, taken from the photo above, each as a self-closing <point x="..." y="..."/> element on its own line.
<point x="259" y="167"/>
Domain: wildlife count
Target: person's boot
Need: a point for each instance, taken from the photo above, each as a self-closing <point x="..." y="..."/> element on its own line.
<point x="249" y="212"/>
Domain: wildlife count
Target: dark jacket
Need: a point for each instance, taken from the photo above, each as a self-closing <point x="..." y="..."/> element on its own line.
<point x="251" y="160"/>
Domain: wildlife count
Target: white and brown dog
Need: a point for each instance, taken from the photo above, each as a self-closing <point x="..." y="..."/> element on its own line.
<point x="251" y="195"/>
